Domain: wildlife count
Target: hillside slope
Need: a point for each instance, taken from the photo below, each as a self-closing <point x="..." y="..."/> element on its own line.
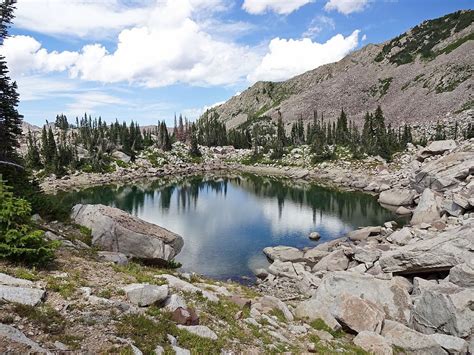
<point x="422" y="75"/>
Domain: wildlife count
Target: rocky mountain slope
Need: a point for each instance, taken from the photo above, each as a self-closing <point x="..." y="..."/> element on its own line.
<point x="422" y="75"/>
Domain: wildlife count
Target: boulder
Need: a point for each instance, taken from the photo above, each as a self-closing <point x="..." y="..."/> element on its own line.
<point x="145" y="295"/>
<point x="121" y="156"/>
<point x="180" y="351"/>
<point x="261" y="273"/>
<point x="397" y="197"/>
<point x="410" y="340"/>
<point x="16" y="336"/>
<point x="23" y="295"/>
<point x="200" y="330"/>
<point x="358" y="314"/>
<point x="436" y="148"/>
<point x="335" y="261"/>
<point x="173" y="302"/>
<point x="312" y="256"/>
<point x="403" y="211"/>
<point x="284" y="253"/>
<point x="452" y="345"/>
<point x="185" y="316"/>
<point x="401" y="237"/>
<point x="117" y="231"/>
<point x="366" y="255"/>
<point x="444" y="173"/>
<point x="373" y="343"/>
<point x="363" y="233"/>
<point x="184" y="286"/>
<point x="444" y="308"/>
<point x="283" y="268"/>
<point x="389" y="295"/>
<point x="13" y="281"/>
<point x="275" y="303"/>
<point x="314" y="236"/>
<point x="427" y="210"/>
<point x="312" y="309"/>
<point x="440" y="253"/>
<point x="463" y="274"/>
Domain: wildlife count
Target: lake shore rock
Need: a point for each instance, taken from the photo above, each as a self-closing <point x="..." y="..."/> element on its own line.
<point x="116" y="231"/>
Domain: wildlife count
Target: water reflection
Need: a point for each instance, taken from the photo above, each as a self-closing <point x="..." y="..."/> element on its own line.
<point x="226" y="222"/>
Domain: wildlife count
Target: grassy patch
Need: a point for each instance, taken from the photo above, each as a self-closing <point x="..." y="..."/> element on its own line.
<point x="141" y="273"/>
<point x="22" y="273"/>
<point x="320" y="324"/>
<point x="451" y="47"/>
<point x="67" y="286"/>
<point x="44" y="317"/>
<point x="278" y="314"/>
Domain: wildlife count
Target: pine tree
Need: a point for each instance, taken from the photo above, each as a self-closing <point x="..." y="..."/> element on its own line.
<point x="10" y="119"/>
<point x="33" y="159"/>
<point x="194" y="151"/>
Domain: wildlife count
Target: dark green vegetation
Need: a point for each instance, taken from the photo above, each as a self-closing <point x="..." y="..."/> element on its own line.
<point x="19" y="240"/>
<point x="421" y="40"/>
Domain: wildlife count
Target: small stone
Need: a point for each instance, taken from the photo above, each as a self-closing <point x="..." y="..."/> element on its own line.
<point x="200" y="330"/>
<point x="314" y="236"/>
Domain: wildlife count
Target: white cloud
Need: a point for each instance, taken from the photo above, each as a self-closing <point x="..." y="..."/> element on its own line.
<point x="287" y="58"/>
<point x="282" y="7"/>
<point x="346" y="7"/>
<point x="194" y="113"/>
<point x="88" y="101"/>
<point x="24" y="54"/>
<point x="171" y="48"/>
<point x="79" y="18"/>
<point x="318" y="24"/>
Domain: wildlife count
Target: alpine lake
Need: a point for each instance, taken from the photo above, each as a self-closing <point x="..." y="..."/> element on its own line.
<point x="227" y="221"/>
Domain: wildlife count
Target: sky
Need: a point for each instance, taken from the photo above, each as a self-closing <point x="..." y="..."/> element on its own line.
<point x="145" y="60"/>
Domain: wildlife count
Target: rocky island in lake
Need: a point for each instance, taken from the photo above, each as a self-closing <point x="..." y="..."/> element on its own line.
<point x="328" y="208"/>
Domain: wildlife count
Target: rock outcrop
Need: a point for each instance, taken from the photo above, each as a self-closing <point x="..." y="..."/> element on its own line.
<point x="117" y="231"/>
<point x="449" y="249"/>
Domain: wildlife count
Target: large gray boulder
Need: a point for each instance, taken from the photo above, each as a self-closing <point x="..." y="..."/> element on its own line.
<point x="444" y="308"/>
<point x="410" y="340"/>
<point x="16" y="336"/>
<point x="440" y="253"/>
<point x="436" y="148"/>
<point x="389" y="295"/>
<point x="463" y="274"/>
<point x="358" y="314"/>
<point x="145" y="295"/>
<point x="445" y="172"/>
<point x="117" y="231"/>
<point x="427" y="210"/>
<point x="284" y="253"/>
<point x="373" y="343"/>
<point x="397" y="197"/>
<point x="453" y="345"/>
<point x="23" y="295"/>
<point x="335" y="261"/>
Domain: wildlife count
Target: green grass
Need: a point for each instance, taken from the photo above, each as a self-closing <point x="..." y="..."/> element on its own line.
<point x="451" y="47"/>
<point x="22" y="273"/>
<point x="141" y="273"/>
<point x="278" y="314"/>
<point x="320" y="324"/>
<point x="67" y="286"/>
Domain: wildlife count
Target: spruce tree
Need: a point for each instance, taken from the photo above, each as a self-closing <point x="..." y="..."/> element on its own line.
<point x="194" y="150"/>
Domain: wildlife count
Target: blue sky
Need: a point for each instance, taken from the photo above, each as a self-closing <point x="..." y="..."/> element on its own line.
<point x="144" y="60"/>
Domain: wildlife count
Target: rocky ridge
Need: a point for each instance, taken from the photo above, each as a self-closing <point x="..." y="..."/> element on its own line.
<point x="423" y="75"/>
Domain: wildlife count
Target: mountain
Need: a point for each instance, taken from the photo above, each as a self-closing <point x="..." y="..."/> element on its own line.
<point x="422" y="75"/>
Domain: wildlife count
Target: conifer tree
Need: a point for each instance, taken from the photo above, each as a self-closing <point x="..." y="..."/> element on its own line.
<point x="194" y="151"/>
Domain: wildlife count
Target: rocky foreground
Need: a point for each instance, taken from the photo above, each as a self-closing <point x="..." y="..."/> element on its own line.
<point x="380" y="289"/>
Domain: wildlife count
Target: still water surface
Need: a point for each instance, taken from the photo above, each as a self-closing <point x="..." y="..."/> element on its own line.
<point x="226" y="222"/>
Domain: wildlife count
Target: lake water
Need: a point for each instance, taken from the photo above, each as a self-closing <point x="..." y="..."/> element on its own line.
<point x="226" y="222"/>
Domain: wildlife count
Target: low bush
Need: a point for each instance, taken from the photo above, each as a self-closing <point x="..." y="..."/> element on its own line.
<point x="19" y="241"/>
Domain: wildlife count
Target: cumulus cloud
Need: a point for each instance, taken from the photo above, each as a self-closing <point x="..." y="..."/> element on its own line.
<point x="24" y="54"/>
<point x="289" y="57"/>
<point x="170" y="47"/>
<point x="346" y="7"/>
<point x="282" y="7"/>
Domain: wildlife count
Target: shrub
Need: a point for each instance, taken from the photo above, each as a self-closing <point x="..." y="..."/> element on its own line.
<point x="18" y="240"/>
